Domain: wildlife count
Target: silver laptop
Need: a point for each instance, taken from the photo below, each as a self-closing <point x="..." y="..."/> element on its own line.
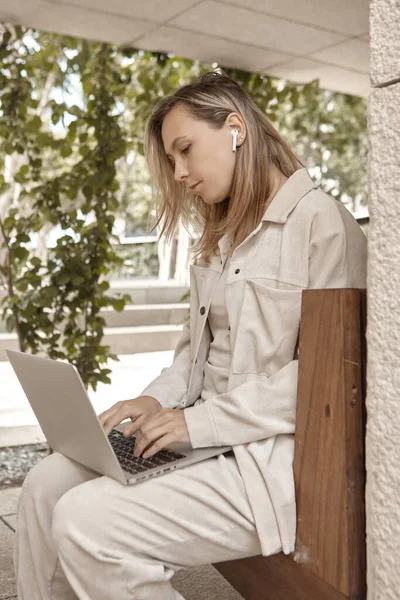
<point x="71" y="426"/>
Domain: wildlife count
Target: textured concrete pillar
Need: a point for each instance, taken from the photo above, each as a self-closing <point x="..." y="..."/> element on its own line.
<point x="383" y="400"/>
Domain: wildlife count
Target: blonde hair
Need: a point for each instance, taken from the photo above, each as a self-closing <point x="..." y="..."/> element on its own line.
<point x="212" y="98"/>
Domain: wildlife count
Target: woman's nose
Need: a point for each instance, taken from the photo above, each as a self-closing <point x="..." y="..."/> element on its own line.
<point x="181" y="173"/>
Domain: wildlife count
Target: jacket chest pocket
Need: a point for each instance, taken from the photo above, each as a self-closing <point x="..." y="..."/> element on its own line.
<point x="267" y="330"/>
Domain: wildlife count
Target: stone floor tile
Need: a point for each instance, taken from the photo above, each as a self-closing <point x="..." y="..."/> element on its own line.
<point x="7" y="578"/>
<point x="8" y="500"/>
<point x="10" y="520"/>
<point x="204" y="583"/>
<point x="18" y="436"/>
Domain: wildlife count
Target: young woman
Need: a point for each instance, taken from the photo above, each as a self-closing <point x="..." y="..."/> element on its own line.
<point x="268" y="232"/>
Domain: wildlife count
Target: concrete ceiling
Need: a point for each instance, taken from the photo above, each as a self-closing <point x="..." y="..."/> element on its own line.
<point x="298" y="40"/>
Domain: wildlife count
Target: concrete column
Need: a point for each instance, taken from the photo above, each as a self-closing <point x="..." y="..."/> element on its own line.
<point x="383" y="399"/>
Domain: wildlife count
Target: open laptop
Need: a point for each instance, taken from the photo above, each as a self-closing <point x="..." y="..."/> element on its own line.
<point x="69" y="422"/>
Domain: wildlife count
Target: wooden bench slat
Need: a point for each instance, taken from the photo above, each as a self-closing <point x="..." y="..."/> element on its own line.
<point x="276" y="577"/>
<point x="329" y="441"/>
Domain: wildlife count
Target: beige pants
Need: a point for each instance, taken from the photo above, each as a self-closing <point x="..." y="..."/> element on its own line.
<point x="88" y="537"/>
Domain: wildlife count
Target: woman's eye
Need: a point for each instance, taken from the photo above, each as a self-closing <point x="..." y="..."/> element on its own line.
<point x="186" y="150"/>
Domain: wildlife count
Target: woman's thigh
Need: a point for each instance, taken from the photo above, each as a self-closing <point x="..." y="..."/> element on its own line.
<point x="191" y="516"/>
<point x="52" y="477"/>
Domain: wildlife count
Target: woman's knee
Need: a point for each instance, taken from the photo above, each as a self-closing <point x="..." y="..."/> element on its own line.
<point x="42" y="475"/>
<point x="55" y="475"/>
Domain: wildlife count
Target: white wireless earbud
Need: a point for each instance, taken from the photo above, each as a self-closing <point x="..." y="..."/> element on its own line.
<point x="235" y="133"/>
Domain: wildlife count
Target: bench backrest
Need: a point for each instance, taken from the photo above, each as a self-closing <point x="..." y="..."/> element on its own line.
<point x="329" y="467"/>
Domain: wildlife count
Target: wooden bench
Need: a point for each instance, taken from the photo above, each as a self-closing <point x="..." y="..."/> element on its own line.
<point x="329" y="562"/>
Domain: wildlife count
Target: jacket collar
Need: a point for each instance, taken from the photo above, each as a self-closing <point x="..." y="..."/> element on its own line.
<point x="290" y="194"/>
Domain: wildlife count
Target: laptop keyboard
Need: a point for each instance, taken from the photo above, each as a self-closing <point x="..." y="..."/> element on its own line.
<point x="124" y="447"/>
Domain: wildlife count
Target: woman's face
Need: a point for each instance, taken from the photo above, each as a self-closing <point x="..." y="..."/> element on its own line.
<point x="201" y="155"/>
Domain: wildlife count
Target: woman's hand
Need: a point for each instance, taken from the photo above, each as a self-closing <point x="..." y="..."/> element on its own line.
<point x="138" y="410"/>
<point x="164" y="428"/>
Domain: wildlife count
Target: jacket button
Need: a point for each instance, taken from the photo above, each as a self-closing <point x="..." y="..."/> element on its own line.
<point x="229" y="327"/>
<point x="202" y="310"/>
<point x="237" y="271"/>
<point x="195" y="362"/>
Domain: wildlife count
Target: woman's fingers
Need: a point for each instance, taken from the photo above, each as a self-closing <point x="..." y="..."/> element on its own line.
<point x="139" y="421"/>
<point x="107" y="413"/>
<point x="123" y="412"/>
<point x="136" y="424"/>
<point x="159" y="444"/>
<point x="143" y="406"/>
<point x="151" y="428"/>
<point x="149" y="438"/>
<point x="164" y="428"/>
<point x="106" y="416"/>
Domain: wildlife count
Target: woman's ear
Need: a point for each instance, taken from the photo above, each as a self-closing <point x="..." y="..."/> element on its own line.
<point x="235" y="122"/>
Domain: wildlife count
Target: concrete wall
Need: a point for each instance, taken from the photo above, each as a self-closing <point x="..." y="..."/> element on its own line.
<point x="383" y="400"/>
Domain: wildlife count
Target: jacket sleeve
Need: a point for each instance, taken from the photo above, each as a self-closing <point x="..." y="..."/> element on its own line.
<point x="261" y="409"/>
<point x="170" y="387"/>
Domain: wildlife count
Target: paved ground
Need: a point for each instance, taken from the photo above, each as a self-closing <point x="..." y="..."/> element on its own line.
<point x="8" y="504"/>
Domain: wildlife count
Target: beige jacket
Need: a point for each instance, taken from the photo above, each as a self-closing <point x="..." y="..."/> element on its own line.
<point x="306" y="239"/>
